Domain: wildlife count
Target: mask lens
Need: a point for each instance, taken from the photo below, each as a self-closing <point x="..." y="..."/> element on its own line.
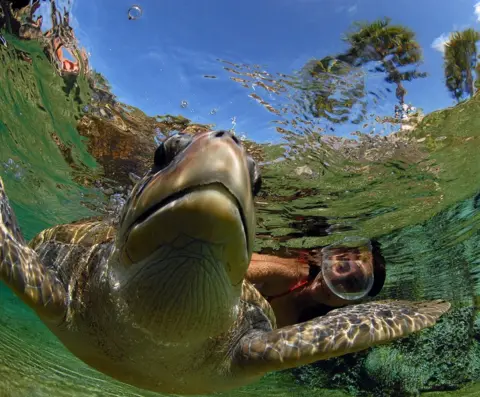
<point x="347" y="268"/>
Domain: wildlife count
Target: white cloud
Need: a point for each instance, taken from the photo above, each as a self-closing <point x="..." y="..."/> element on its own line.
<point x="476" y="10"/>
<point x="352" y="9"/>
<point x="348" y="6"/>
<point x="439" y="43"/>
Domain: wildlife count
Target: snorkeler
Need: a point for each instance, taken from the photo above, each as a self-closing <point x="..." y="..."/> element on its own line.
<point x="299" y="289"/>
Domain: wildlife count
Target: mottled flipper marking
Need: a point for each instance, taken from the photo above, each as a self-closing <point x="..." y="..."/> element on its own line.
<point x="22" y="271"/>
<point x="251" y="295"/>
<point x="346" y="330"/>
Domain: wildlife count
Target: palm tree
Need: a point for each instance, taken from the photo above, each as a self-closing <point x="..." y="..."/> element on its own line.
<point x="453" y="74"/>
<point x="460" y="61"/>
<point x="393" y="48"/>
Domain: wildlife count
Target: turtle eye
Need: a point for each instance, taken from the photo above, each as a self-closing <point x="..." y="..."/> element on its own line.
<point x="255" y="177"/>
<point x="169" y="149"/>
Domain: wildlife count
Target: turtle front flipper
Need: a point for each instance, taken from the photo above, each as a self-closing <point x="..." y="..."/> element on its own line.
<point x="22" y="271"/>
<point x="341" y="331"/>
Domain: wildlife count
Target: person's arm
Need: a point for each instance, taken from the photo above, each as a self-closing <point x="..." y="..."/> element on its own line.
<point x="273" y="275"/>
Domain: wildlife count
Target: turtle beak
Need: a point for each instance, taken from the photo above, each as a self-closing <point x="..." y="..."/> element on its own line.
<point x="203" y="192"/>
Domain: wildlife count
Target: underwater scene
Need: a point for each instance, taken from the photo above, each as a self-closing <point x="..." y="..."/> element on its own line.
<point x="257" y="198"/>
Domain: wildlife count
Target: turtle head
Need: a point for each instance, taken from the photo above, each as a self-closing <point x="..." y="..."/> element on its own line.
<point x="186" y="234"/>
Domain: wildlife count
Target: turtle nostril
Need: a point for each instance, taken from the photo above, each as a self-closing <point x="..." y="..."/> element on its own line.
<point x="219" y="134"/>
<point x="226" y="134"/>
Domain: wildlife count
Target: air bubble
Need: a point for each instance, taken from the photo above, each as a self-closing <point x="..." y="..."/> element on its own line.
<point x="347" y="268"/>
<point x="184" y="104"/>
<point x="134" y="12"/>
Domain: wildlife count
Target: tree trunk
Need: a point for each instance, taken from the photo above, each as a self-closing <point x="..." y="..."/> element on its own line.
<point x="469" y="80"/>
<point x="400" y="92"/>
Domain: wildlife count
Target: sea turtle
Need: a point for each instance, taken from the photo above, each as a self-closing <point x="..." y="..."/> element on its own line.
<point x="156" y="297"/>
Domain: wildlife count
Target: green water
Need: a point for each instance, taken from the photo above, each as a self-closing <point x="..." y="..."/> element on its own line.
<point x="420" y="201"/>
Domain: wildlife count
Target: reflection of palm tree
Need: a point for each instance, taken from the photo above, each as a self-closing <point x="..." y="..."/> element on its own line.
<point x="392" y="47"/>
<point x="460" y="60"/>
<point x="100" y="81"/>
<point x="332" y="88"/>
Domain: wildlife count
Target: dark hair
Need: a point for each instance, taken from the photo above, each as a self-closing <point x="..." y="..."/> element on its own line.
<point x="379" y="269"/>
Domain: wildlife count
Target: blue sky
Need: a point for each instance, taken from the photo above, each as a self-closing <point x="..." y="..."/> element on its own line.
<point x="159" y="60"/>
